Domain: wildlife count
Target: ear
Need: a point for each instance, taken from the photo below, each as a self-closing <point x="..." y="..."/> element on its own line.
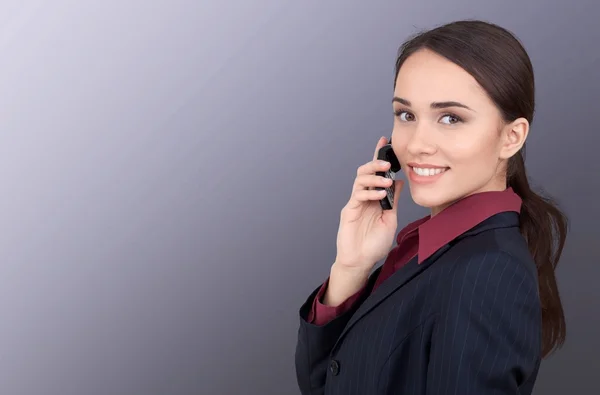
<point x="513" y="137"/>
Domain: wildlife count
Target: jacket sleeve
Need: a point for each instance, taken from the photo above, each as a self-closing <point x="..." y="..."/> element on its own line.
<point x="487" y="337"/>
<point x="315" y="342"/>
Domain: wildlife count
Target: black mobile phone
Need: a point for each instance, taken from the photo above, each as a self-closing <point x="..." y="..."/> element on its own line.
<point x="387" y="154"/>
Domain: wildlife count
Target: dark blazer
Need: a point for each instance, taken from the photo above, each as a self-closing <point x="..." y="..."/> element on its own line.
<point x="465" y="321"/>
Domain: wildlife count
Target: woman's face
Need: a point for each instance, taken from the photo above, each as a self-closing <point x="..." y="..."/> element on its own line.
<point x="448" y="135"/>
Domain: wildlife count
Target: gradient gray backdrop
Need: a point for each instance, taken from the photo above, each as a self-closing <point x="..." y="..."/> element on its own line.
<point x="172" y="174"/>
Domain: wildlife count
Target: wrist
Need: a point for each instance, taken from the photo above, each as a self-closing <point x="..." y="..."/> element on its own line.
<point x="351" y="272"/>
<point x="344" y="282"/>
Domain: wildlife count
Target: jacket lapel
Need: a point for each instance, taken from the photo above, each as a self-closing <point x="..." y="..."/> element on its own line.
<point x="389" y="286"/>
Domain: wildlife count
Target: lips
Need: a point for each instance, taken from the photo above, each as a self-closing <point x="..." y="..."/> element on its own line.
<point x="426" y="172"/>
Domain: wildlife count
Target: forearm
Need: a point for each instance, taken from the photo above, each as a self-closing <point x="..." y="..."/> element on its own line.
<point x="343" y="283"/>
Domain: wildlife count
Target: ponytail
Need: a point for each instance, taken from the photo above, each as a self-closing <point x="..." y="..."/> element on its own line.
<point x="544" y="227"/>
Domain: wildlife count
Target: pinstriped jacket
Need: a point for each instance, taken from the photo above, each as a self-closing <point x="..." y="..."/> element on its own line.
<point x="465" y="321"/>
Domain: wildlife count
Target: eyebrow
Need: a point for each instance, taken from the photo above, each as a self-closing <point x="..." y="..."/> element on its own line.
<point x="434" y="105"/>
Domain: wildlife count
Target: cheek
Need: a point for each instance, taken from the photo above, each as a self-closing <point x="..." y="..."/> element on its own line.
<point x="471" y="149"/>
<point x="399" y="143"/>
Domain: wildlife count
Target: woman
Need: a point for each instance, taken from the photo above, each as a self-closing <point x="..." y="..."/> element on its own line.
<point x="467" y="301"/>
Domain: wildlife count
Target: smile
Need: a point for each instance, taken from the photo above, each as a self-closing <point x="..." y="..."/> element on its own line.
<point x="428" y="172"/>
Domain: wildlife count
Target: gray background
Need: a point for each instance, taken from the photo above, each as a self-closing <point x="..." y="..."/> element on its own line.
<point x="172" y="174"/>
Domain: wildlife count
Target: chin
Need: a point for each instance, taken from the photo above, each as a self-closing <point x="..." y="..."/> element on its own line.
<point x="428" y="196"/>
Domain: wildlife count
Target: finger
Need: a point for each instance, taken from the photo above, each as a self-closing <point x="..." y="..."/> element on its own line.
<point x="372" y="167"/>
<point x="367" y="181"/>
<point x="382" y="141"/>
<point x="365" y="195"/>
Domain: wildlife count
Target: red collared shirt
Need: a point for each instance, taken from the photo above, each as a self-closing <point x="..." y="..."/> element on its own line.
<point x="424" y="237"/>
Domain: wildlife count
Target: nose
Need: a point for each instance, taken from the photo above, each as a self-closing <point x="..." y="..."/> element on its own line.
<point x="422" y="141"/>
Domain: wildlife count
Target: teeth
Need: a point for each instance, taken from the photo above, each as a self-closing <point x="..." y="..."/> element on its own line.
<point x="427" y="172"/>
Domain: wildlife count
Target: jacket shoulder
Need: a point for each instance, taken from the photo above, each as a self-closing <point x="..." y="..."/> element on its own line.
<point x="497" y="249"/>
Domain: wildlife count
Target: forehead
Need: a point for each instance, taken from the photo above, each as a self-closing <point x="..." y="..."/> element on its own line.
<point x="426" y="77"/>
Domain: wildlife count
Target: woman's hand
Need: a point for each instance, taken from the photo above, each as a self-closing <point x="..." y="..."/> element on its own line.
<point x="366" y="231"/>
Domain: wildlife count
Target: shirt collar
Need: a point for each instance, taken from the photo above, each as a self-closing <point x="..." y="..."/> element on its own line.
<point x="458" y="218"/>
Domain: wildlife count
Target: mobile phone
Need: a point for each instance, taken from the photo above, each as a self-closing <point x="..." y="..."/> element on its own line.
<point x="387" y="154"/>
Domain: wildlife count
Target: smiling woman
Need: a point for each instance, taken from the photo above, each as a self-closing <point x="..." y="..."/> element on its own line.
<point x="467" y="301"/>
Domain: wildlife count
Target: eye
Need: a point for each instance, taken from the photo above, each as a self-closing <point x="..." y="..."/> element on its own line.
<point x="450" y="119"/>
<point x="405" y="116"/>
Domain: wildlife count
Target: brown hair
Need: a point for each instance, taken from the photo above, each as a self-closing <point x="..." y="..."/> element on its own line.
<point x="500" y="64"/>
